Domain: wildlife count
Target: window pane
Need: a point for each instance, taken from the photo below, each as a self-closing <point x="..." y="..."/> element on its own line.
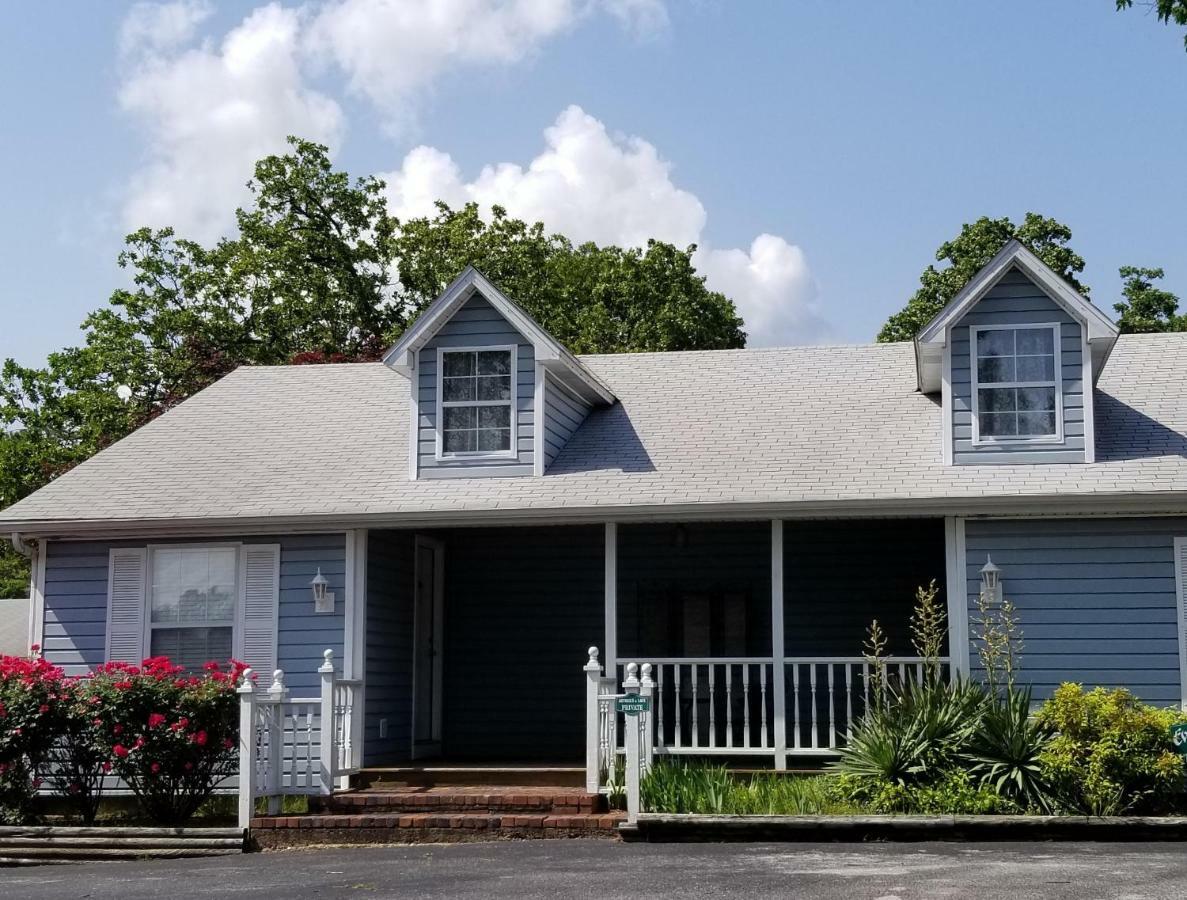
<point x="1035" y="341"/>
<point x="494" y="439"/>
<point x="1036" y="368"/>
<point x="494" y="417"/>
<point x="999" y="342"/>
<point x="995" y="399"/>
<point x="459" y="364"/>
<point x="998" y="424"/>
<point x="995" y="370"/>
<point x="193" y="586"/>
<point x="458" y="441"/>
<point x="192" y="647"/>
<point x="1036" y="398"/>
<point x="455" y="389"/>
<point x="494" y="362"/>
<point x="1036" y="423"/>
<point x="457" y="417"/>
<point x="494" y="387"/>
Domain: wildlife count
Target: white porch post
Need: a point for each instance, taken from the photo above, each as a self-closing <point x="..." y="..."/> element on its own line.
<point x="247" y="750"/>
<point x="610" y="657"/>
<point x="593" y="724"/>
<point x="630" y="686"/>
<point x="958" y="595"/>
<point x="328" y="748"/>
<point x="779" y="719"/>
<point x="355" y="638"/>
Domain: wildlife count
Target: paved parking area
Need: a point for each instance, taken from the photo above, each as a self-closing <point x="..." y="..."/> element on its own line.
<point x="548" y="870"/>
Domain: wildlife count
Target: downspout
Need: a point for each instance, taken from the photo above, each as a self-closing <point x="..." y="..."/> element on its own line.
<point x="18" y="544"/>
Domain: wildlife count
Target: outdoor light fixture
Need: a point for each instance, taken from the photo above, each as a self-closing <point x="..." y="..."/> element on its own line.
<point x="323" y="600"/>
<point x="991" y="581"/>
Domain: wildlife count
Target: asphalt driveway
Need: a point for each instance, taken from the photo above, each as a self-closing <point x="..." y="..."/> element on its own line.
<point x="549" y="870"/>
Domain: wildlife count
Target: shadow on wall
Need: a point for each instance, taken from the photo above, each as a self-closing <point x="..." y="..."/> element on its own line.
<point x="606" y="440"/>
<point x="1123" y="432"/>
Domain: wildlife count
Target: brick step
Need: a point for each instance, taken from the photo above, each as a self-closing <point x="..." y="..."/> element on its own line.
<point x="273" y="832"/>
<point x="398" y="778"/>
<point x="527" y="800"/>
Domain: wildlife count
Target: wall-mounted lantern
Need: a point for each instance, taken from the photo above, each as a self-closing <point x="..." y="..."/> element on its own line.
<point x="323" y="600"/>
<point x="991" y="581"/>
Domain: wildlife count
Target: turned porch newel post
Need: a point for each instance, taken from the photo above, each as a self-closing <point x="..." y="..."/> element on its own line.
<point x="328" y="725"/>
<point x="277" y="694"/>
<point x="647" y="689"/>
<point x="247" y="749"/>
<point x="630" y="686"/>
<point x="778" y="677"/>
<point x="593" y="723"/>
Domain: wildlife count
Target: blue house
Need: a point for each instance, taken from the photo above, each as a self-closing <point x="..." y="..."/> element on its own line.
<point x="483" y="506"/>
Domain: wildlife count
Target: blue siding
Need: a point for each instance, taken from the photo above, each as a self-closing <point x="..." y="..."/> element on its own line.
<point x="76" y="603"/>
<point x="563" y="414"/>
<point x="476" y="324"/>
<point x="390" y="563"/>
<point x="1016" y="300"/>
<point x="1095" y="597"/>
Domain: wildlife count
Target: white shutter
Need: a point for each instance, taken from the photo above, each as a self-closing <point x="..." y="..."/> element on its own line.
<point x="125" y="604"/>
<point x="259" y="602"/>
<point x="1181" y="596"/>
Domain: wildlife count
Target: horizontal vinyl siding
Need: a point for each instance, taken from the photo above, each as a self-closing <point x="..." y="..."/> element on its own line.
<point x="389" y="647"/>
<point x="76" y="603"/>
<point x="563" y="415"/>
<point x="1095" y="598"/>
<point x="476" y="324"/>
<point x="522" y="605"/>
<point x="1016" y="300"/>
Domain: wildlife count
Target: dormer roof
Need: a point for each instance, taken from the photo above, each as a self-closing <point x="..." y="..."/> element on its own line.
<point x="556" y="360"/>
<point x="931" y="340"/>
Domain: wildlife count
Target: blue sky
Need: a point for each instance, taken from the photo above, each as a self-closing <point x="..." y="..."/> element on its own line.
<point x="818" y="152"/>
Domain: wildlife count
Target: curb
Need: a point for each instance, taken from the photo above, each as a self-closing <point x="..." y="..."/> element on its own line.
<point x="673" y="828"/>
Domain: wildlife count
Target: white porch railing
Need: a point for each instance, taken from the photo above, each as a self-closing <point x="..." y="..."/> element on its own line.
<point x="282" y="743"/>
<point x="725" y="706"/>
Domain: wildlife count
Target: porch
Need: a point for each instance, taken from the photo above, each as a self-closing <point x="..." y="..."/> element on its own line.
<point x="753" y="630"/>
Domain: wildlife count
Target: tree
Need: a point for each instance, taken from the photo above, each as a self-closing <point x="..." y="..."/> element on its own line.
<point x="1167" y="11"/>
<point x="1146" y="307"/>
<point x="311" y="276"/>
<point x="14" y="573"/>
<point x="967" y="254"/>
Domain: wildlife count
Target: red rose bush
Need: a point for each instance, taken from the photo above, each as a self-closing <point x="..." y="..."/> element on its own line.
<point x="31" y="692"/>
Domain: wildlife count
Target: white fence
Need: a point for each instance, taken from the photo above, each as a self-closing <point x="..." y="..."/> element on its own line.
<point x="282" y="742"/>
<point x="730" y="706"/>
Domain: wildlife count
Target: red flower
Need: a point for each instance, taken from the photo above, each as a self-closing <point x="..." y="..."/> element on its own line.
<point x="117" y="729"/>
<point x="106" y="767"/>
<point x="43" y="709"/>
<point x="34" y="648"/>
<point x="120" y="750"/>
<point x="155" y="768"/>
<point x="155" y="719"/>
<point x="122" y="685"/>
<point x="199" y="738"/>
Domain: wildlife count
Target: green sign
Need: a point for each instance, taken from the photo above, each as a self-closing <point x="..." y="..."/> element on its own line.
<point x="1179" y="737"/>
<point x="632" y="704"/>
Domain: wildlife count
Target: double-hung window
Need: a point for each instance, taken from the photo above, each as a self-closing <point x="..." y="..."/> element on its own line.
<point x="192" y="604"/>
<point x="1016" y="383"/>
<point x="477" y="391"/>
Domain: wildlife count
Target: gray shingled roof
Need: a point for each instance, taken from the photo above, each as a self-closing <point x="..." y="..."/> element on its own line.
<point x="810" y="429"/>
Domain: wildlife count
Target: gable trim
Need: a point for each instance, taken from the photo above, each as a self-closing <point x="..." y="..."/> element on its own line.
<point x="548" y="350"/>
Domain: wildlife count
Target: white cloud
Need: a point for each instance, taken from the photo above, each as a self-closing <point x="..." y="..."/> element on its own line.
<point x="392" y="50"/>
<point x="589" y="185"/>
<point x="210" y="111"/>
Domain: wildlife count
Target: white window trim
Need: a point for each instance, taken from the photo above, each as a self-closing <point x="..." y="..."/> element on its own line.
<point x="1179" y="545"/>
<point x="987" y="441"/>
<point x="512" y="452"/>
<point x="236" y="619"/>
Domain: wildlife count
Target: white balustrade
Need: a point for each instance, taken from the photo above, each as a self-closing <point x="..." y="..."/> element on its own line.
<point x="283" y="747"/>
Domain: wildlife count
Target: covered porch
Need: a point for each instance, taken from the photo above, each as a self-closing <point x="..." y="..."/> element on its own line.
<point x="474" y="637"/>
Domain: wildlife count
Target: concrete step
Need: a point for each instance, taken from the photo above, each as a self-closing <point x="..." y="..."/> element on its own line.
<point x="508" y="799"/>
<point x="496" y="775"/>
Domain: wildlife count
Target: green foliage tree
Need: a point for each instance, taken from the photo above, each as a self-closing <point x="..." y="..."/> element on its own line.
<point x="968" y="252"/>
<point x="1147" y="307"/>
<point x="311" y="276"/>
<point x="1167" y="11"/>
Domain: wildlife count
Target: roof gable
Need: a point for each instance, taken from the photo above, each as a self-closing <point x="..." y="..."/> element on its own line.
<point x="549" y="352"/>
<point x="932" y="339"/>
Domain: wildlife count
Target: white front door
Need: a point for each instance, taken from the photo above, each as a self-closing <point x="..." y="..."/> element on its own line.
<point x="428" y="637"/>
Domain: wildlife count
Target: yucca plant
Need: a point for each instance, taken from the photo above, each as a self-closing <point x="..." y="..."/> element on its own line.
<point x="1006" y="751"/>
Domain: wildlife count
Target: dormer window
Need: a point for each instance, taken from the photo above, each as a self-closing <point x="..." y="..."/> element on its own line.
<point x="1016" y="384"/>
<point x="476" y="391"/>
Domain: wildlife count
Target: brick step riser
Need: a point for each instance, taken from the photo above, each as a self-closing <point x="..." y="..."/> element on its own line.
<point x="417" y="805"/>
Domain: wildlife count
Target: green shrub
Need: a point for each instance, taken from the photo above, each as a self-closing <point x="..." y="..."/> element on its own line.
<point x="30" y="715"/>
<point x="1006" y="748"/>
<point x="953" y="792"/>
<point x="1112" y="754"/>
<point x="76" y="764"/>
